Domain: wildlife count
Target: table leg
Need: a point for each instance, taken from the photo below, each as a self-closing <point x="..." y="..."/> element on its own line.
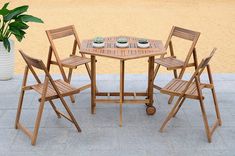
<point x="122" y="67"/>
<point x="150" y="108"/>
<point x="93" y="84"/>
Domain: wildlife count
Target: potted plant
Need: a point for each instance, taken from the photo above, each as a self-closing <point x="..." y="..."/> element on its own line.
<point x="12" y="23"/>
<point x="98" y="42"/>
<point x="143" y="43"/>
<point x="122" y="42"/>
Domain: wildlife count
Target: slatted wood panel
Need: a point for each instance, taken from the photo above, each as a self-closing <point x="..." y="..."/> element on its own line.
<point x="61" y="32"/>
<point x="31" y="61"/>
<point x="170" y="62"/>
<point x="177" y="86"/>
<point x="185" y="33"/>
<point x="131" y="52"/>
<point x="64" y="88"/>
<point x="74" y="61"/>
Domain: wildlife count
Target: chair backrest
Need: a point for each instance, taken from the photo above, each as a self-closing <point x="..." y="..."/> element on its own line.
<point x="35" y="63"/>
<point x="183" y="34"/>
<point x="206" y="60"/>
<point x="203" y="64"/>
<point x="61" y="33"/>
<point x="32" y="62"/>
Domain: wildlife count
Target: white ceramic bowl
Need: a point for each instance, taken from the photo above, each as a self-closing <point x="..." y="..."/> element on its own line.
<point x="143" y="45"/>
<point x="121" y="45"/>
<point x="97" y="45"/>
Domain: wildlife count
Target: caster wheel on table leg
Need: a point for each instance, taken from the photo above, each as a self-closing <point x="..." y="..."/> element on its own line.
<point x="150" y="110"/>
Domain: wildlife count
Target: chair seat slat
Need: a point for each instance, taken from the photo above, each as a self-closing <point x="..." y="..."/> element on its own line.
<point x="63" y="87"/>
<point x="74" y="61"/>
<point x="170" y="62"/>
<point x="177" y="86"/>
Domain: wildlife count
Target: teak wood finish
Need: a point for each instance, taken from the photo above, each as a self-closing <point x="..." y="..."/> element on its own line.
<point x="73" y="61"/>
<point x="171" y="62"/>
<point x="193" y="89"/>
<point x="131" y="52"/>
<point x="48" y="90"/>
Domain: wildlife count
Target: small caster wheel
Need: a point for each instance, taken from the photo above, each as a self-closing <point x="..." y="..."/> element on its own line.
<point x="150" y="110"/>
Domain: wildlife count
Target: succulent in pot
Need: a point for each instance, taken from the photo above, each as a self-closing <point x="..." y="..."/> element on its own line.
<point x="98" y="42"/>
<point x="12" y="23"/>
<point x="143" y="43"/>
<point x="122" y="42"/>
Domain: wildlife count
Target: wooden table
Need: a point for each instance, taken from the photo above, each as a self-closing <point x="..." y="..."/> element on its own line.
<point x="123" y="54"/>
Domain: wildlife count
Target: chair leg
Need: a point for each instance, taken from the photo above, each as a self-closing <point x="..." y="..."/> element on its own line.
<point x="70" y="114"/>
<point x="40" y="111"/>
<point x="21" y="99"/>
<point x="175" y="73"/>
<point x="181" y="103"/>
<point x="154" y="76"/>
<point x="172" y="97"/>
<point x="19" y="109"/>
<point x="204" y="116"/>
<point x="70" y="74"/>
<point x="37" y="123"/>
<point x="54" y="108"/>
<point x="216" y="106"/>
<point x="69" y="79"/>
<point x="195" y="61"/>
<point x="170" y="115"/>
<point x="156" y="71"/>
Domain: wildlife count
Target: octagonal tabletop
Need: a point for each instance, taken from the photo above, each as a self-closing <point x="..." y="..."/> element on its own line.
<point x="131" y="52"/>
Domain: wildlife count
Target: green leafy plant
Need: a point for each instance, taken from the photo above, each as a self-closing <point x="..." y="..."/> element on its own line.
<point x="14" y="22"/>
<point x="143" y="41"/>
<point x="122" y="40"/>
<point x="98" y="40"/>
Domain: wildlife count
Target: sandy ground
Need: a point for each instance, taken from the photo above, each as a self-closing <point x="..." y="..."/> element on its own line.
<point x="215" y="19"/>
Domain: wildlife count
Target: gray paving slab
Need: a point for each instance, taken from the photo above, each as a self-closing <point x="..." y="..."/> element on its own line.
<point x="101" y="134"/>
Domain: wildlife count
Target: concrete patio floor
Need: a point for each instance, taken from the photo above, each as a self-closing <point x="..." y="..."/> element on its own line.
<point x="101" y="134"/>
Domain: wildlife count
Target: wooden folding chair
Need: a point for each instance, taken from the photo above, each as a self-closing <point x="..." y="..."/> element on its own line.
<point x="71" y="62"/>
<point x="49" y="90"/>
<point x="171" y="62"/>
<point x="193" y="89"/>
